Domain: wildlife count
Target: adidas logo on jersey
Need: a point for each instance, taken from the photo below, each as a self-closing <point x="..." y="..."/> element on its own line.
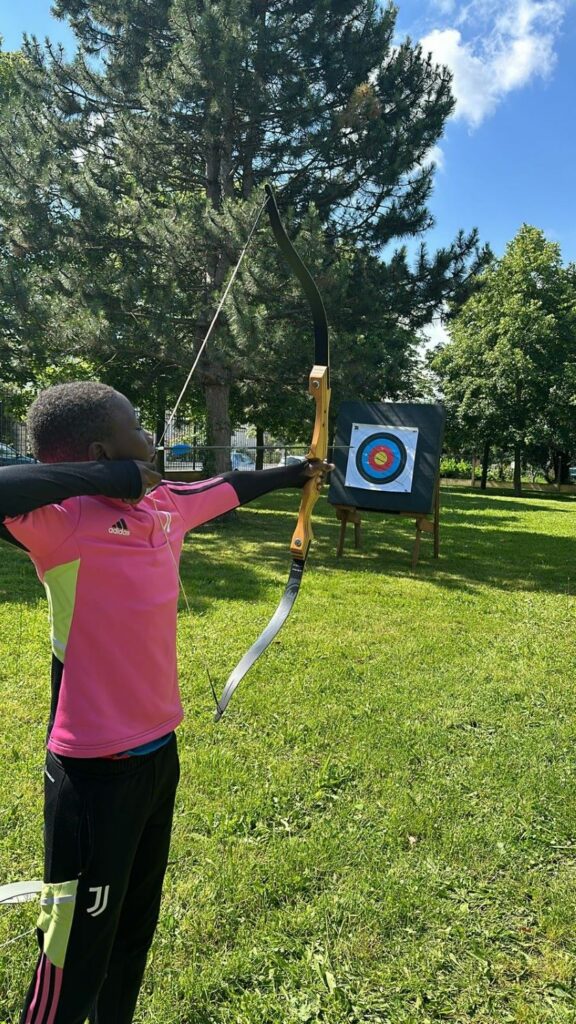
<point x="120" y="527"/>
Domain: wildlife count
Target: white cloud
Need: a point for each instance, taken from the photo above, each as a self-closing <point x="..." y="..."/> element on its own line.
<point x="507" y="44"/>
<point x="436" y="156"/>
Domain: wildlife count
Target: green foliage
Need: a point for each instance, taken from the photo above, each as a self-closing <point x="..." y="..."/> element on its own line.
<point x="457" y="469"/>
<point x="508" y="373"/>
<point x="10" y="66"/>
<point x="381" y="830"/>
<point x="128" y="186"/>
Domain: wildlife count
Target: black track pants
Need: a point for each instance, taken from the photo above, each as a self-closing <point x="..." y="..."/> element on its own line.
<point x="107" y="836"/>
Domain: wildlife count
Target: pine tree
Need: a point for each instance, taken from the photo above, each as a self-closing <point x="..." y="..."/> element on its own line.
<point x="143" y="158"/>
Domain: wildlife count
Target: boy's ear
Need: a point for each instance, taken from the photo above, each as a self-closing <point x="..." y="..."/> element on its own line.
<point x="97" y="451"/>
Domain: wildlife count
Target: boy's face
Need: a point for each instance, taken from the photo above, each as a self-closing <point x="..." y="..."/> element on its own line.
<point x="126" y="439"/>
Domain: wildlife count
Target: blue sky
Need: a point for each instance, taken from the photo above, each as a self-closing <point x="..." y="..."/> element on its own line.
<point x="508" y="155"/>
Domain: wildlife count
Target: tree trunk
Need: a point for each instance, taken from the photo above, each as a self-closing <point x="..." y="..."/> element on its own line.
<point x="259" y="448"/>
<point x="517" y="470"/>
<point x="485" y="464"/>
<point x="561" y="467"/>
<point x="473" y="474"/>
<point x="218" y="418"/>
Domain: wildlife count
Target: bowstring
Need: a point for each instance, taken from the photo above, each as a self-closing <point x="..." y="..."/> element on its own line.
<point x="214" y="320"/>
<point x="164" y="521"/>
<point x="29" y="931"/>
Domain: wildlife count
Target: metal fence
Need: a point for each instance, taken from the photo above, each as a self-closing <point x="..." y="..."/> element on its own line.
<point x="13" y="432"/>
<point x="186" y="449"/>
<point x="185" y="446"/>
<point x="196" y="458"/>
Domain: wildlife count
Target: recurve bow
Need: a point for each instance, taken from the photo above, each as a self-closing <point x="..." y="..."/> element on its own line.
<point x="319" y="388"/>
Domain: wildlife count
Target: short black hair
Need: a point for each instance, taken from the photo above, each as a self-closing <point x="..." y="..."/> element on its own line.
<point x="64" y="420"/>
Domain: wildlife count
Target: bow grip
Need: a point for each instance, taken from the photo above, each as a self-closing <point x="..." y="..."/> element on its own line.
<point x="318" y="387"/>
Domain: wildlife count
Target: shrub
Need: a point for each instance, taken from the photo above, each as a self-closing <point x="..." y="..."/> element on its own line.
<point x="457" y="469"/>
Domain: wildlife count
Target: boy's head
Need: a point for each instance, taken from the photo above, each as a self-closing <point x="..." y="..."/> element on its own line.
<point x="84" y="421"/>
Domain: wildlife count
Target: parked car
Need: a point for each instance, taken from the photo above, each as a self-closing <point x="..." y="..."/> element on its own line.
<point x="10" y="457"/>
<point x="182" y="452"/>
<point x="572" y="474"/>
<point x="241" y="460"/>
<point x="290" y="460"/>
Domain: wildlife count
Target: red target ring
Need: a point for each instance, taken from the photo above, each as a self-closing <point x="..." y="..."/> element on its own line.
<point x="381" y="458"/>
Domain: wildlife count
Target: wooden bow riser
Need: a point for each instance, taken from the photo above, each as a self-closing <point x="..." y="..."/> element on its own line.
<point x="318" y="387"/>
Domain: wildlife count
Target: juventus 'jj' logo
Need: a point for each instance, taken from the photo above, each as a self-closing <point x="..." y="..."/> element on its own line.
<point x="100" y="900"/>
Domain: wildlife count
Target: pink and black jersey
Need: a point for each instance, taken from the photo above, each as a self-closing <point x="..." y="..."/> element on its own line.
<point x="110" y="573"/>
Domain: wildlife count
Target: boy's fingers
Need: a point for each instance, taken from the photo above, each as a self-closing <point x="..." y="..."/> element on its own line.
<point x="149" y="475"/>
<point x="316" y="467"/>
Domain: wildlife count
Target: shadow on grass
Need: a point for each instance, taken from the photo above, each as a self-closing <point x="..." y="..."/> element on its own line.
<point x="478" y="545"/>
<point x="470" y="498"/>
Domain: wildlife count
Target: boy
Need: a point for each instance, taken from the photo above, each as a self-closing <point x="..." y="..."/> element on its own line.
<point x="107" y="554"/>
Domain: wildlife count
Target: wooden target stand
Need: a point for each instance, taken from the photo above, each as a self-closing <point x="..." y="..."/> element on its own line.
<point x="425" y="523"/>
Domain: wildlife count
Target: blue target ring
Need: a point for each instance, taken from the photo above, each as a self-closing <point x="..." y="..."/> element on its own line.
<point x="381" y="458"/>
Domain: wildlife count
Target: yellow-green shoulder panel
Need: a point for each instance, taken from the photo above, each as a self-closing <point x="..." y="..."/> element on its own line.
<point x="60" y="584"/>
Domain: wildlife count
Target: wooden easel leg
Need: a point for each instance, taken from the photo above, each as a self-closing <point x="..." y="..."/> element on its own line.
<point x="347" y="514"/>
<point x="343" y="517"/>
<point x="416" y="548"/>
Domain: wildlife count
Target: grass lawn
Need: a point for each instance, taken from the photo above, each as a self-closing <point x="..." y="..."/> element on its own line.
<point x="383" y="826"/>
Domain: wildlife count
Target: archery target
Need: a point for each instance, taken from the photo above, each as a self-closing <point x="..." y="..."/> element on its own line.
<point x="381" y="458"/>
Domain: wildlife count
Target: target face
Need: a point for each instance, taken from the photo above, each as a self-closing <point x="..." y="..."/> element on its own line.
<point x="381" y="457"/>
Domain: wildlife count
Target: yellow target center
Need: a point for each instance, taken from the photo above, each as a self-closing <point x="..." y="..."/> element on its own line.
<point x="381" y="459"/>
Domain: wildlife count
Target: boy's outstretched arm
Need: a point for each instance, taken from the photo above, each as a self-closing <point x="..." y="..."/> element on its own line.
<point x="249" y="486"/>
<point x="31" y="486"/>
<point x="28" y="488"/>
<point x="199" y="502"/>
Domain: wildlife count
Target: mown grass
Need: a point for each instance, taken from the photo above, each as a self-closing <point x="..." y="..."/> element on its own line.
<point x="383" y="827"/>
